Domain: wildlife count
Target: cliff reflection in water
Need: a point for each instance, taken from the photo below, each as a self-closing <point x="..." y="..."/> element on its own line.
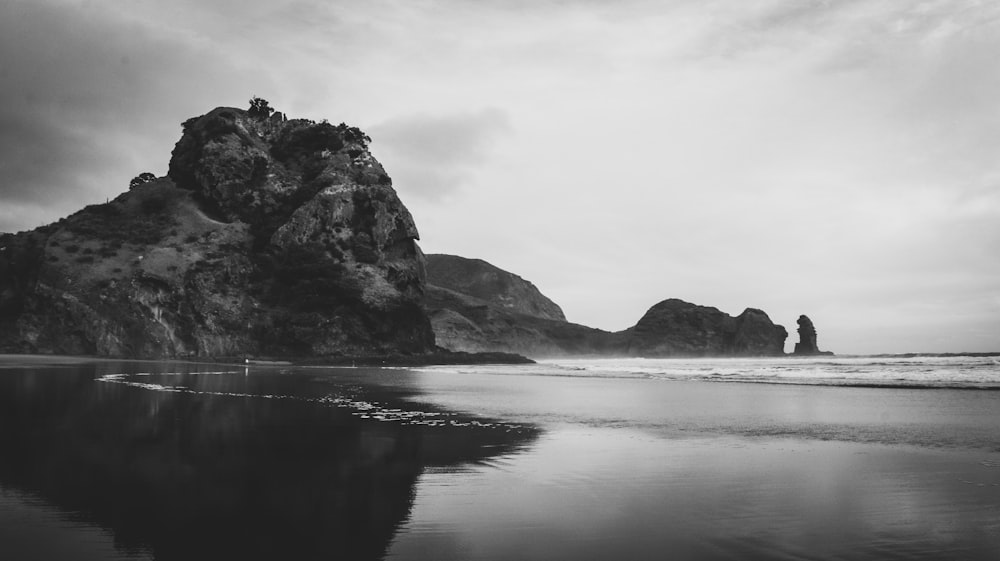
<point x="275" y="469"/>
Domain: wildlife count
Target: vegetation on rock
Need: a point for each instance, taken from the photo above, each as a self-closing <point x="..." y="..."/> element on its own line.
<point x="268" y="236"/>
<point x="472" y="309"/>
<point x="259" y="108"/>
<point x="144" y="177"/>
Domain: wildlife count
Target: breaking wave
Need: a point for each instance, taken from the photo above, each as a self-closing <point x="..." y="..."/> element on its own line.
<point x="930" y="372"/>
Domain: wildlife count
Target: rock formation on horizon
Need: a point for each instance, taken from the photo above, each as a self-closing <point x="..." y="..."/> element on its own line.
<point x="268" y="237"/>
<point x="807" y="338"/>
<point x="479" y="279"/>
<point x="284" y="238"/>
<point x="477" y="307"/>
<point x="677" y="328"/>
<point x="477" y="322"/>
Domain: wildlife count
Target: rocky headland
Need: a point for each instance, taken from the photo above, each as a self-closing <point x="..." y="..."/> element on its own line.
<point x="477" y="307"/>
<point x="268" y="237"/>
<point x="467" y="317"/>
<point x="493" y="285"/>
<point x="284" y="238"/>
<point x="677" y="328"/>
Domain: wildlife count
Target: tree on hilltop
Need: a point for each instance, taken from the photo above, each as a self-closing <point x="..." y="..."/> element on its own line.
<point x="144" y="177"/>
<point x="259" y="108"/>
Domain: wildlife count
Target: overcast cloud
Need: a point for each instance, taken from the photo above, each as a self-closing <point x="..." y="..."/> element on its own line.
<point x="832" y="158"/>
<point x="438" y="154"/>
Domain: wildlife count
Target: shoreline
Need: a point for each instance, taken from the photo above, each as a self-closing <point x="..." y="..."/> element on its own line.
<point x="448" y="358"/>
<point x="515" y="466"/>
<point x="445" y="358"/>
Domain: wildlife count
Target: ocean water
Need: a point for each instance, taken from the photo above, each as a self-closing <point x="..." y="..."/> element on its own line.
<point x="979" y="372"/>
<point x="819" y="458"/>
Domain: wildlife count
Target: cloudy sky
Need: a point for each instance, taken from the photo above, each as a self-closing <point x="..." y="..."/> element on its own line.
<point x="835" y="158"/>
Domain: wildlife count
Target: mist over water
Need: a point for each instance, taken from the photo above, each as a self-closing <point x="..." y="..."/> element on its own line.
<point x="920" y="402"/>
<point x="975" y="372"/>
<point x="691" y="459"/>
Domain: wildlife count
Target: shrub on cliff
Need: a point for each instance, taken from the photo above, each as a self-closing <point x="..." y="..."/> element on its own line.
<point x="299" y="141"/>
<point x="144" y="177"/>
<point x="259" y="108"/>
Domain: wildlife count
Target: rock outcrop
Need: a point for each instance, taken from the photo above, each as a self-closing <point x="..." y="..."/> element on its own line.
<point x="277" y="237"/>
<point x="465" y="323"/>
<point x="807" y="338"/>
<point x="677" y="328"/>
<point x="479" y="279"/>
<point x="477" y="307"/>
<point x="466" y="316"/>
<point x="268" y="237"/>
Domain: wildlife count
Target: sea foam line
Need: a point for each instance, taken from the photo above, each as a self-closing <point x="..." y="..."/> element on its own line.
<point x="362" y="409"/>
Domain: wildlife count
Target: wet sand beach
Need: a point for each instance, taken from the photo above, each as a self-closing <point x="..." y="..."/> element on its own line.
<point x="695" y="470"/>
<point x="119" y="460"/>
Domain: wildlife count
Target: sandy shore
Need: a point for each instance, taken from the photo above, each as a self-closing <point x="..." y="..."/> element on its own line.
<point x="477" y="463"/>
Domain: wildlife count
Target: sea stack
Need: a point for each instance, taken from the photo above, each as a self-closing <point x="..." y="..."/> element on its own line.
<point x="807" y="338"/>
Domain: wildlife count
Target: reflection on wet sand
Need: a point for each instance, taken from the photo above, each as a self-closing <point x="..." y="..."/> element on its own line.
<point x="227" y="465"/>
<point x="140" y="460"/>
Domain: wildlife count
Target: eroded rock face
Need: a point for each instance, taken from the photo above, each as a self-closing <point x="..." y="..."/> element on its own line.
<point x="468" y="316"/>
<point x="807" y="338"/>
<point x="465" y="323"/>
<point x="269" y="237"/>
<point x="677" y="328"/>
<point x="479" y="279"/>
<point x="478" y="307"/>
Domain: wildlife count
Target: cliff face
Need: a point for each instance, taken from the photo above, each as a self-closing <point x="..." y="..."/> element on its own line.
<point x="465" y="323"/>
<point x="481" y="280"/>
<point x="268" y="237"/>
<point x="477" y="307"/>
<point x="467" y="317"/>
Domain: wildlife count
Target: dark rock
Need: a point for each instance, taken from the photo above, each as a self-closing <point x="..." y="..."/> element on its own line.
<point x="481" y="280"/>
<point x="468" y="315"/>
<point x="807" y="338"/>
<point x="677" y="328"/>
<point x="467" y="324"/>
<point x="268" y="237"/>
<point x="476" y="307"/>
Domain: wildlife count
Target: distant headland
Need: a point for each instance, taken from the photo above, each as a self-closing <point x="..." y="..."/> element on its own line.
<point x="476" y="307"/>
<point x="277" y="237"/>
